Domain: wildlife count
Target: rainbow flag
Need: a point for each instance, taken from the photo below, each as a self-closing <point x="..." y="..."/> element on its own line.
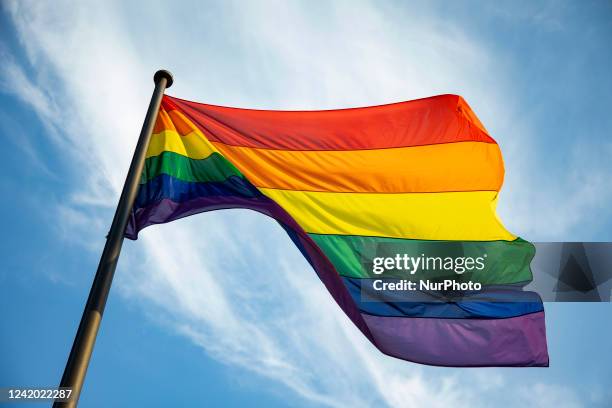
<point x="347" y="184"/>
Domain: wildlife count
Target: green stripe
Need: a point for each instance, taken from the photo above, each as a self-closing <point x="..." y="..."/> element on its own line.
<point x="213" y="168"/>
<point x="506" y="262"/>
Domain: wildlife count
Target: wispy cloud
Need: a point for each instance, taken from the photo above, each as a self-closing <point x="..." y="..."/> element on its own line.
<point x="230" y="281"/>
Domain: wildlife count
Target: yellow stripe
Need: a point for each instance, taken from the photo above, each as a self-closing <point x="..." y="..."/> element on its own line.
<point x="463" y="216"/>
<point x="193" y="145"/>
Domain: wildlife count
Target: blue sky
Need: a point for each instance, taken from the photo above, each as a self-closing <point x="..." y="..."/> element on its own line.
<point x="220" y="308"/>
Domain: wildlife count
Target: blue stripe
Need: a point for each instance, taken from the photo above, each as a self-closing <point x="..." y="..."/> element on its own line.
<point x="168" y="187"/>
<point x="492" y="302"/>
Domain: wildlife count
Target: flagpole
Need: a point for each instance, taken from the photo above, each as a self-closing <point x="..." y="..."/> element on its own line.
<point x="76" y="366"/>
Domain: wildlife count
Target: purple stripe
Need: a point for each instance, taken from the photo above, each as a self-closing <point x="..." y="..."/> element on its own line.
<point x="514" y="342"/>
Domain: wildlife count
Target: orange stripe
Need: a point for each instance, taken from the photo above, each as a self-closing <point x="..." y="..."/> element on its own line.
<point x="465" y="166"/>
<point x="173" y="120"/>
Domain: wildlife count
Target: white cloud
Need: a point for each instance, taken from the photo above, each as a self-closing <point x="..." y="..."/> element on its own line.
<point x="550" y="396"/>
<point x="247" y="301"/>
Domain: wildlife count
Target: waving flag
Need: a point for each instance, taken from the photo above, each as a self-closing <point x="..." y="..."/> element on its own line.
<point x="415" y="177"/>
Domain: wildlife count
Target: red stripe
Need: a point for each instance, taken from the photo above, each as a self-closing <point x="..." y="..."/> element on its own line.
<point x="434" y="120"/>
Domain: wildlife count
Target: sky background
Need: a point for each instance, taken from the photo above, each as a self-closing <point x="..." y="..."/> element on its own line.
<point x="220" y="309"/>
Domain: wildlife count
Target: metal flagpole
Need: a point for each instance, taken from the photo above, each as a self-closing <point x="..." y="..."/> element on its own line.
<point x="76" y="366"/>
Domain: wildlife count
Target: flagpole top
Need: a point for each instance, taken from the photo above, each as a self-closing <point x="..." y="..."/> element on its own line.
<point x="162" y="73"/>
